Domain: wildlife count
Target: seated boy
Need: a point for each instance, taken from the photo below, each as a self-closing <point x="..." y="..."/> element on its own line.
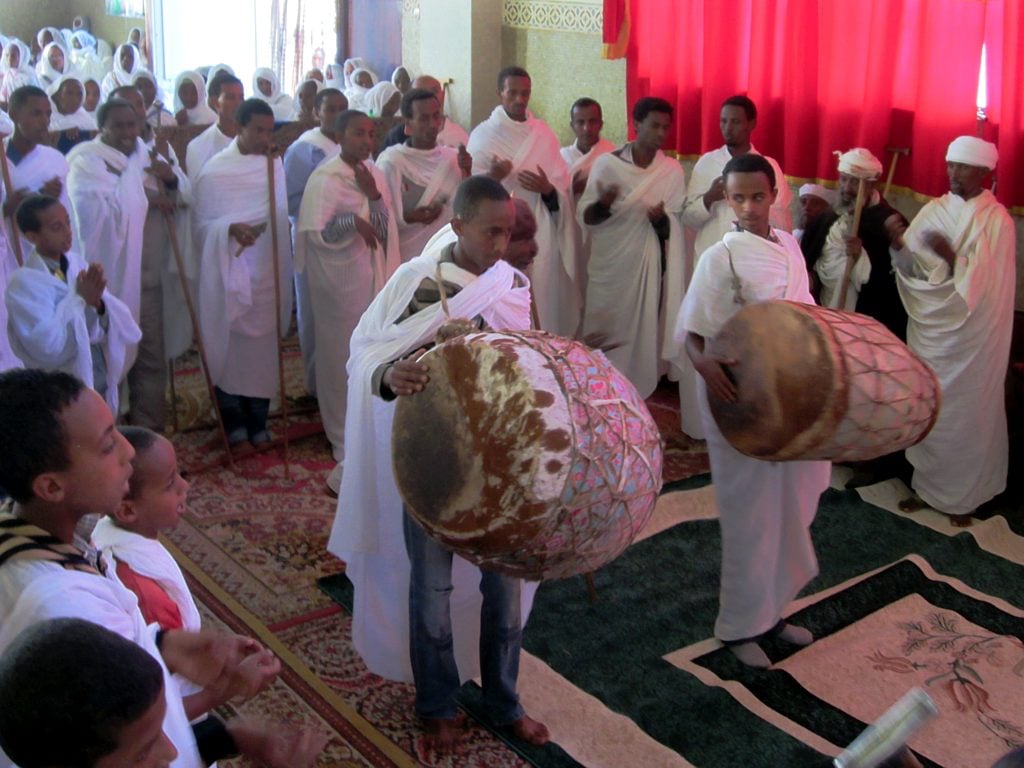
<point x="60" y="315"/>
<point x="67" y="461"/>
<point x="766" y="508"/>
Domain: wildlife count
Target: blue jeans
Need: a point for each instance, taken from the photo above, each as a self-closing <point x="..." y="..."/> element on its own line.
<point x="430" y="632"/>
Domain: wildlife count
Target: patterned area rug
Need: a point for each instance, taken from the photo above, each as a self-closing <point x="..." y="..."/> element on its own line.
<point x="253" y="545"/>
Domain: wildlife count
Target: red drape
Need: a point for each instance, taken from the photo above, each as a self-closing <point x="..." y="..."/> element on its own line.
<point x="829" y="76"/>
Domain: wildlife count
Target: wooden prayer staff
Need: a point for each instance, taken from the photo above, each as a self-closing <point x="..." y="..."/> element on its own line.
<point x="277" y="303"/>
<point x="858" y="208"/>
<point x="198" y="334"/>
<point x="16" y="238"/>
<point x="896" y="152"/>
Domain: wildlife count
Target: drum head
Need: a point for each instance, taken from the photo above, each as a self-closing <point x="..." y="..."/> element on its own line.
<point x="790" y="393"/>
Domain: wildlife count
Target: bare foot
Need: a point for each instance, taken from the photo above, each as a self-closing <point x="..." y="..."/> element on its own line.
<point x="751" y="654"/>
<point x="531" y="731"/>
<point x="913" y="504"/>
<point x="961" y="521"/>
<point x="441" y="736"/>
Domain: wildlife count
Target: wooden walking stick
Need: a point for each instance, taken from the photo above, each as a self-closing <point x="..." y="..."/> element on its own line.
<point x="198" y="334"/>
<point x="170" y="361"/>
<point x="896" y="152"/>
<point x="16" y="239"/>
<point x="277" y="303"/>
<point x="858" y="208"/>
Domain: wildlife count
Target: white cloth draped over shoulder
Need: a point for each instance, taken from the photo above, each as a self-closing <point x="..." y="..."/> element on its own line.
<point x="30" y="173"/>
<point x="452" y="134"/>
<point x="106" y="190"/>
<point x="49" y="327"/>
<point x="367" y="531"/>
<point x="13" y="78"/>
<point x="202" y="148"/>
<point x="765" y="508"/>
<point x="236" y="292"/>
<point x="37" y="590"/>
<point x="343" y="278"/>
<point x="46" y="72"/>
<point x="579" y="163"/>
<point x="961" y="324"/>
<point x="555" y="274"/>
<point x="149" y="558"/>
<point x="79" y="119"/>
<point x="831" y="266"/>
<point x="118" y="75"/>
<point x="628" y="301"/>
<point x="437" y="171"/>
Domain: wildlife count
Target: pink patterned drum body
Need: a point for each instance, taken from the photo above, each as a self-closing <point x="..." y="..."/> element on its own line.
<point x="527" y="453"/>
<point x="818" y="383"/>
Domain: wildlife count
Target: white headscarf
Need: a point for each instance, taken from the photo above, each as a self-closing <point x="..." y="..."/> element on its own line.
<point x="79" y="118"/>
<point x="298" y="92"/>
<point x="216" y="69"/>
<point x="85" y="41"/>
<point x="818" y="191"/>
<point x="377" y="98"/>
<point x="125" y="77"/>
<point x="46" y="71"/>
<point x="860" y="163"/>
<point x="54" y="33"/>
<point x="155" y="116"/>
<point x="350" y="67"/>
<point x="16" y="77"/>
<point x="201" y="114"/>
<point x="970" y="150"/>
<point x="265" y="73"/>
<point x="398" y="70"/>
<point x="85" y="81"/>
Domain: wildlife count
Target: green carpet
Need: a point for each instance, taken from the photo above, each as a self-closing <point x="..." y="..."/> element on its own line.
<point x="661" y="595"/>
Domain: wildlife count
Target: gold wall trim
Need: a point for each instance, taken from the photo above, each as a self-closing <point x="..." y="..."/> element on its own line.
<point x="553" y="16"/>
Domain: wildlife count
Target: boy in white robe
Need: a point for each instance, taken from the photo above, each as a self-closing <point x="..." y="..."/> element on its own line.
<point x="60" y="317"/>
<point x="956" y="275"/>
<point x="522" y="152"/>
<point x="438" y="598"/>
<point x="630" y="210"/>
<point x="451" y="134"/>
<point x="36" y="169"/>
<point x="234" y="238"/>
<point x="765" y="508"/>
<point x="709" y="214"/>
<point x="422" y="175"/>
<point x="347" y="244"/>
<point x="225" y="94"/>
<point x="586" y="121"/>
<point x="70" y="461"/>
<point x="303" y="157"/>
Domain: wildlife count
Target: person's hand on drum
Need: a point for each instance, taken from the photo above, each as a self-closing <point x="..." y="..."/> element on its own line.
<point x="711" y="368"/>
<point x="407" y="377"/>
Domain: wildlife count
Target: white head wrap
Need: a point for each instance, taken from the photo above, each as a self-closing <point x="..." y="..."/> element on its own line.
<point x="970" y="150"/>
<point x="859" y="162"/>
<point x="377" y="98"/>
<point x="201" y="114"/>
<point x="123" y="76"/>
<point x="818" y="191"/>
<point x="265" y="73"/>
<point x="46" y="71"/>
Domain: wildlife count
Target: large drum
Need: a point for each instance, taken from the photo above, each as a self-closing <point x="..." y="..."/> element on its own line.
<point x="527" y="453"/>
<point x="817" y="383"/>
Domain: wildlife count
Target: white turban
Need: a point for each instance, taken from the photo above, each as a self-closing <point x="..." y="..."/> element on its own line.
<point x="971" y="150"/>
<point x="818" y="191"/>
<point x="859" y="162"/>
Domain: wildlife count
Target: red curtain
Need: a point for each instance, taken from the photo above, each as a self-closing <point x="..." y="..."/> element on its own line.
<point x="829" y="76"/>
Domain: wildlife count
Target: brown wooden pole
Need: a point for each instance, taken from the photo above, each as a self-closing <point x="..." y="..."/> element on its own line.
<point x="858" y="208"/>
<point x="16" y="239"/>
<point x="277" y="304"/>
<point x="198" y="334"/>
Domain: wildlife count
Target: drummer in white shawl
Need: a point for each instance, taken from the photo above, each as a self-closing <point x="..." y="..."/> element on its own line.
<point x="35" y="167"/>
<point x="956" y="276"/>
<point x="232" y="233"/>
<point x="60" y="315"/>
<point x="372" y="533"/>
<point x="190" y="106"/>
<point x="630" y="210"/>
<point x="522" y="152"/>
<point x="347" y="244"/>
<point x="105" y="183"/>
<point x="226" y="94"/>
<point x="765" y="508"/>
<point x="586" y="121"/>
<point x="303" y="157"/>
<point x="422" y="176"/>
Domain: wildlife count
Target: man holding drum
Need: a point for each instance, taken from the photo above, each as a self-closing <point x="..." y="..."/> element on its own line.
<point x="766" y="508"/>
<point x="409" y="594"/>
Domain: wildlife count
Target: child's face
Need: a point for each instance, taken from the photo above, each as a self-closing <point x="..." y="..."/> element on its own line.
<point x="142" y="743"/>
<point x="69" y="97"/>
<point x="188" y="94"/>
<point x="92" y="96"/>
<point x="53" y="237"/>
<point x="56" y="57"/>
<point x="161" y="490"/>
<point x="100" y="459"/>
<point x="750" y="196"/>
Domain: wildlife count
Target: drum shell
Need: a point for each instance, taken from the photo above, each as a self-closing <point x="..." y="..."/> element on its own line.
<point x="542" y="460"/>
<point x="819" y="383"/>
